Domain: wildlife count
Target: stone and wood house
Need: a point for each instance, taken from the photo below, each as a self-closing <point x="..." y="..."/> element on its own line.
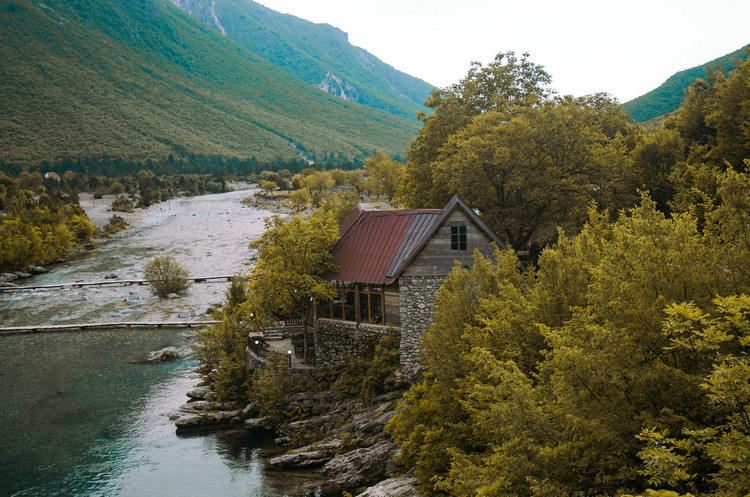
<point x="392" y="262"/>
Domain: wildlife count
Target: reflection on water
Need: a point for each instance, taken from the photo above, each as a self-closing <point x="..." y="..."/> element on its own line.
<point x="78" y="419"/>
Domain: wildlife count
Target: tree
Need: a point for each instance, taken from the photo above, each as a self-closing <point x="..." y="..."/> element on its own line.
<point x="385" y="175"/>
<point x="730" y="117"/>
<point x="165" y="275"/>
<point x="544" y="380"/>
<point x="506" y="80"/>
<point x="532" y="169"/>
<point x="221" y="346"/>
<point x="719" y="344"/>
<point x="299" y="199"/>
<point x="294" y="256"/>
<point x="268" y="186"/>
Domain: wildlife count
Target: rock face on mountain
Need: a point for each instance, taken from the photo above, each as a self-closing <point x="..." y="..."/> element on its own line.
<point x="319" y="54"/>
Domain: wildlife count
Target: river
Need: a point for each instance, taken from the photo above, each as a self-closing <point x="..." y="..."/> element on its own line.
<point x="78" y="418"/>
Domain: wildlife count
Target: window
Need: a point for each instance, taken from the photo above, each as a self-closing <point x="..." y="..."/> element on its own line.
<point x="343" y="306"/>
<point x="371" y="304"/>
<point x="458" y="237"/>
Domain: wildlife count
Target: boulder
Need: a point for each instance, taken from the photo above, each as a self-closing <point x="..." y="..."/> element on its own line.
<point x="401" y="486"/>
<point x="360" y="467"/>
<point x="8" y="277"/>
<point x="164" y="355"/>
<point x="260" y="424"/>
<point x="36" y="270"/>
<point x="208" y="421"/>
<point x="198" y="406"/>
<point x="173" y="296"/>
<point x="22" y="274"/>
<point x="201" y="393"/>
<point x="310" y="456"/>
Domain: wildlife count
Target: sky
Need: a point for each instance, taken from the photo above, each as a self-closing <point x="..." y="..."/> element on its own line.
<point x="625" y="48"/>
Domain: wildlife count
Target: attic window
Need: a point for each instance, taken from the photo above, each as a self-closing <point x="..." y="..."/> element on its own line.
<point x="458" y="237"/>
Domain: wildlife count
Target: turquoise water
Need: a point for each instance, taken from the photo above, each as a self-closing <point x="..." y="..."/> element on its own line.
<point x="78" y="419"/>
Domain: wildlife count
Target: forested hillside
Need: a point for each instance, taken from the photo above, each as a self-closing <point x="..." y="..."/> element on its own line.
<point x="669" y="95"/>
<point x="142" y="80"/>
<point x="317" y="53"/>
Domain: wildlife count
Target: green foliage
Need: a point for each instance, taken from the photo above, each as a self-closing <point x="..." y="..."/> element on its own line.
<point x="532" y="169"/>
<point x="299" y="199"/>
<point x="384" y="175"/>
<point x="338" y="205"/>
<point x="38" y="224"/>
<point x="362" y="376"/>
<point x="221" y="347"/>
<point x="114" y="225"/>
<point x="270" y="386"/>
<point x="505" y="80"/>
<point x="719" y="346"/>
<point x="541" y="383"/>
<point x="142" y="81"/>
<point x="165" y="275"/>
<point x="293" y="257"/>
<point x="122" y="204"/>
<point x="670" y="95"/>
<point x="268" y="186"/>
<point x="319" y="54"/>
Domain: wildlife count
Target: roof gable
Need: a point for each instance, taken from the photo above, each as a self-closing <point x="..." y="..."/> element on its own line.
<point x="375" y="246"/>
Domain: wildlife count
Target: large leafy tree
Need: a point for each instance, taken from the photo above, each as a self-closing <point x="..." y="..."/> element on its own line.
<point x="294" y="256"/>
<point x="507" y="80"/>
<point x="384" y="174"/>
<point x="532" y="168"/>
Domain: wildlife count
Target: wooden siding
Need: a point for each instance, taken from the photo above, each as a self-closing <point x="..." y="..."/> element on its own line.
<point x="392" y="306"/>
<point x="437" y="259"/>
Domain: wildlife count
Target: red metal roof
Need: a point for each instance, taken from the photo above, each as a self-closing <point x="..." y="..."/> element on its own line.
<point x="375" y="246"/>
<point x="371" y="240"/>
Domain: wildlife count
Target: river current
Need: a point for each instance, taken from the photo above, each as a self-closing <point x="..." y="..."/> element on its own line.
<point x="78" y="418"/>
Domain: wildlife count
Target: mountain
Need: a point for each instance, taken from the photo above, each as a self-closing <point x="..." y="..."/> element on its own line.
<point x="140" y="79"/>
<point x="317" y="53"/>
<point x="668" y="96"/>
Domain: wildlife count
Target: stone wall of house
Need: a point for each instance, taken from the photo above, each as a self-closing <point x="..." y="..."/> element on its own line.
<point x="417" y="294"/>
<point x="337" y="340"/>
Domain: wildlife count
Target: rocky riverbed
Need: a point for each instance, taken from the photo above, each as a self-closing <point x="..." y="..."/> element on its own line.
<point x="343" y="442"/>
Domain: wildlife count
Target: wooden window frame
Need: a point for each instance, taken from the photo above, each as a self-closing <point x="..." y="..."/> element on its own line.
<point x="458" y="237"/>
<point x="361" y="297"/>
<point x="364" y="293"/>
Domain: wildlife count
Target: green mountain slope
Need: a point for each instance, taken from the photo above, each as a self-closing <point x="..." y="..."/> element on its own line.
<point x="140" y="79"/>
<point x="317" y="53"/>
<point x="669" y="95"/>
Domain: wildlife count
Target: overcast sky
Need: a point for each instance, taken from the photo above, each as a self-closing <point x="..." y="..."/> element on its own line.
<point x="625" y="48"/>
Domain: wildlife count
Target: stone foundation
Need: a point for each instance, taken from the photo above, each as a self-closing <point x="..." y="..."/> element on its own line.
<point x="417" y="295"/>
<point x="337" y="340"/>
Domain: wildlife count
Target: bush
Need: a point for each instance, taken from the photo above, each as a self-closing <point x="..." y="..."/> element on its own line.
<point x="114" y="225"/>
<point x="166" y="275"/>
<point x="364" y="377"/>
<point x="122" y="204"/>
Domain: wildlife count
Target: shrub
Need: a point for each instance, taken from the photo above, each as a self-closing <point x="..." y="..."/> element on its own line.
<point x="114" y="225"/>
<point x="117" y="188"/>
<point x="122" y="204"/>
<point x="166" y="275"/>
<point x="364" y="376"/>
